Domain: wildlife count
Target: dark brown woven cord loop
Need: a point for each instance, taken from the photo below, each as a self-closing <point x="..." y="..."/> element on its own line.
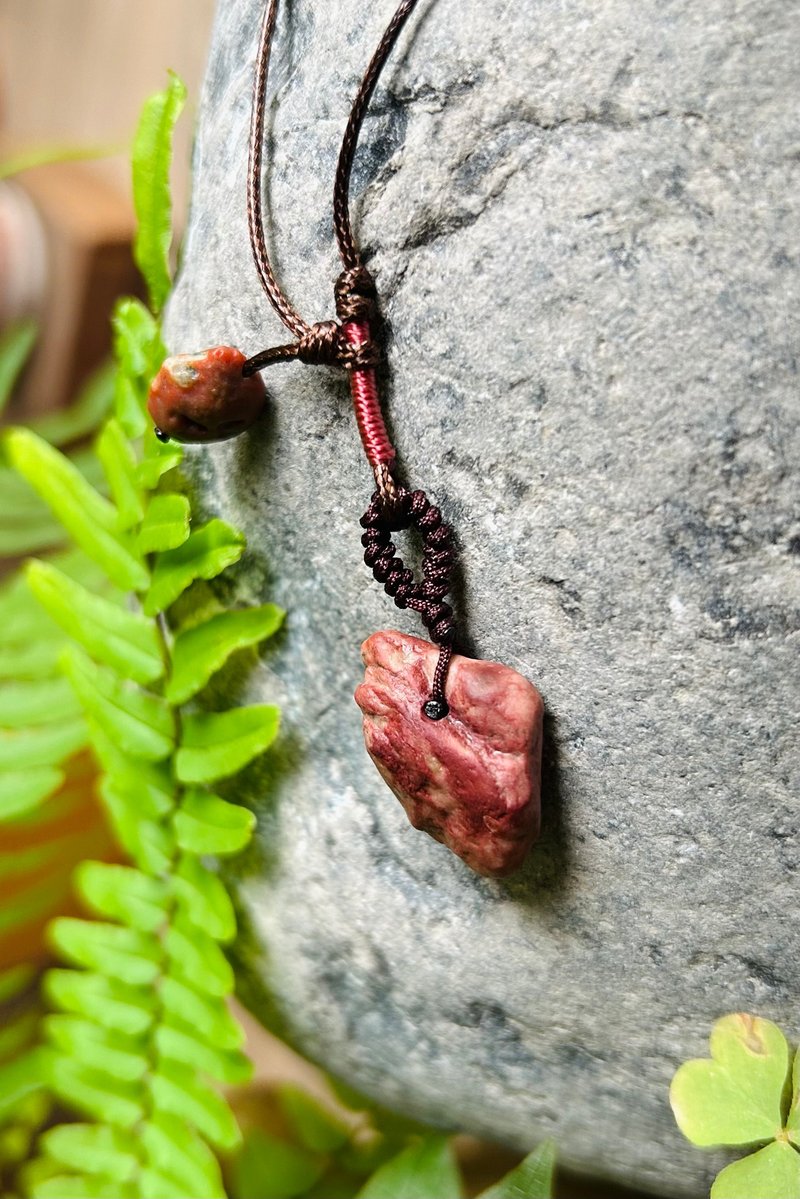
<point x="349" y="343"/>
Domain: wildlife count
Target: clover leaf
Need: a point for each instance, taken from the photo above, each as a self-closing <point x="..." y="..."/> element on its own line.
<point x="741" y="1096"/>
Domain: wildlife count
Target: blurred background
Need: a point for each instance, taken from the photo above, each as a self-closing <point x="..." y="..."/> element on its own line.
<point x="73" y="76"/>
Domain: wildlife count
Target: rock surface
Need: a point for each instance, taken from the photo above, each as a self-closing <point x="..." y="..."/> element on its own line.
<point x="471" y="780"/>
<point x="583" y="222"/>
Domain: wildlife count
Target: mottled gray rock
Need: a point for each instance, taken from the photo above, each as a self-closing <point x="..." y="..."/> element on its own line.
<point x="583" y="220"/>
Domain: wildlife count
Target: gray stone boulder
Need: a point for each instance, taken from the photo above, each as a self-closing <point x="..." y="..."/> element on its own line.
<point x="583" y="221"/>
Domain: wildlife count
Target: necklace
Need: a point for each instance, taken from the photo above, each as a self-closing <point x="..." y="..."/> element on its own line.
<point x="458" y="740"/>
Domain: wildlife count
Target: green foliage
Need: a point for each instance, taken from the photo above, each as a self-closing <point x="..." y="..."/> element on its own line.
<point x="532" y="1178"/>
<point x="331" y="1154"/>
<point x="152" y="153"/>
<point x="123" y="1061"/>
<point x="269" y="1168"/>
<point x="92" y="522"/>
<point x="141" y="1036"/>
<point x="201" y="651"/>
<point x="44" y="155"/>
<point x="16" y="344"/>
<point x="745" y="1094"/>
<point x="417" y="1172"/>
<point x="67" y="425"/>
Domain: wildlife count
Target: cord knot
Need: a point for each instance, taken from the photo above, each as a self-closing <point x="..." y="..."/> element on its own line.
<point x="355" y="295"/>
<point x="321" y="344"/>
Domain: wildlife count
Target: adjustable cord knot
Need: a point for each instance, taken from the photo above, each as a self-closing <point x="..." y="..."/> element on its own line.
<point x="328" y="343"/>
<point x="355" y="294"/>
<point x="320" y="345"/>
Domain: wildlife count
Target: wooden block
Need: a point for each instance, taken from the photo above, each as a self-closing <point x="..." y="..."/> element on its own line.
<point x="88" y="226"/>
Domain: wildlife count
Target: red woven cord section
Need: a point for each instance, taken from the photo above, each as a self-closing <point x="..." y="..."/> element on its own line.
<point x="364" y="389"/>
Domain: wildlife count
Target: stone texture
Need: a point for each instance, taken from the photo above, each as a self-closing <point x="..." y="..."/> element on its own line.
<point x="471" y="780"/>
<point x="583" y="220"/>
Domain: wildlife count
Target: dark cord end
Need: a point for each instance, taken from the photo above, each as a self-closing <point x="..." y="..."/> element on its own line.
<point x="436" y="709"/>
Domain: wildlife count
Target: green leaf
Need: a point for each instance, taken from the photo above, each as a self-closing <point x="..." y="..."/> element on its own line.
<point x="195" y="958"/>
<point x="37" y="702"/>
<point x="66" y="425"/>
<point x="154" y="1185"/>
<point x="205" y="554"/>
<point x="793" y="1120"/>
<point x="312" y="1122"/>
<point x="89" y="518"/>
<point x="203" y="899"/>
<point x="206" y="824"/>
<point x="532" y="1178"/>
<point x="96" y="1047"/>
<point x="16" y="344"/>
<point x="121" y="953"/>
<point x="201" y="651"/>
<point x="119" y="464"/>
<point x="37" y="858"/>
<point x="115" y="1005"/>
<point x="18" y="1034"/>
<point x="129" y="404"/>
<point x="148" y="842"/>
<point x="22" y="790"/>
<point x="138" y="350"/>
<point x="137" y="341"/>
<point x="268" y="1168"/>
<point x="147" y="788"/>
<point x="772" y="1173"/>
<point x="734" y="1099"/>
<point x="206" y="1014"/>
<point x="176" y="1151"/>
<point x="94" y="1148"/>
<point x="126" y="641"/>
<point x="417" y="1172"/>
<point x="29" y="661"/>
<point x="124" y="894"/>
<point x="22" y="1076"/>
<point x="152" y="155"/>
<point x="41" y="155"/>
<point x="108" y="1100"/>
<point x="15" y="980"/>
<point x="141" y="724"/>
<point x="35" y="748"/>
<point x="217" y="744"/>
<point x="159" y="459"/>
<point x="166" y="524"/>
<point x="81" y="1186"/>
<point x="177" y="1091"/>
<point x="223" y="1065"/>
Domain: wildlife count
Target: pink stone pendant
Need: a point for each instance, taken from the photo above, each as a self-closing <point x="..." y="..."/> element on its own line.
<point x="471" y="780"/>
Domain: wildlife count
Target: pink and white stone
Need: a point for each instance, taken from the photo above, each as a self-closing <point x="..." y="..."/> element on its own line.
<point x="472" y="780"/>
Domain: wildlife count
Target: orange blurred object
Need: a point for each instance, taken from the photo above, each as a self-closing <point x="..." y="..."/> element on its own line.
<point x="38" y="856"/>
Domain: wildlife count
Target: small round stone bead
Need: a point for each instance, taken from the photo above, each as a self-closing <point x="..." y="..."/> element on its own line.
<point x="204" y="397"/>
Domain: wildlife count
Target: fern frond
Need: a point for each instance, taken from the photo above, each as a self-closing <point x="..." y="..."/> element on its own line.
<point x="141" y="1037"/>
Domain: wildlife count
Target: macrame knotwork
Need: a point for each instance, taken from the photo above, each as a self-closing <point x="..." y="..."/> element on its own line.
<point x="426" y="595"/>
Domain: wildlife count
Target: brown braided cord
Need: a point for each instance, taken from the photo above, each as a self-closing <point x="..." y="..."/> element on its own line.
<point x="255" y="214"/>
<point x="341" y="188"/>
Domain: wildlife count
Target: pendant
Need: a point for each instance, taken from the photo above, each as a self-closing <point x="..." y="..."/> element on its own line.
<point x="471" y="780"/>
